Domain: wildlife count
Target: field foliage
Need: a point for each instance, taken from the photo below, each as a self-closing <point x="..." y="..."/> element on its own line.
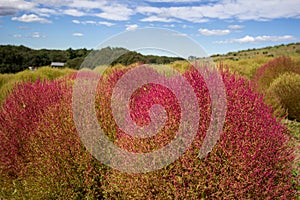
<point x="43" y="157"/>
<point x="8" y="81"/>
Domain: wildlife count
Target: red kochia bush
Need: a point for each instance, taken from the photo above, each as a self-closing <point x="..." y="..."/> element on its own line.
<point x="42" y="156"/>
<point x="251" y="160"/>
<point x="19" y="116"/>
<point x="267" y="73"/>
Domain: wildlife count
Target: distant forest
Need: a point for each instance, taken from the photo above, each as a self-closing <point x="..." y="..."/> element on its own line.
<point x="18" y="58"/>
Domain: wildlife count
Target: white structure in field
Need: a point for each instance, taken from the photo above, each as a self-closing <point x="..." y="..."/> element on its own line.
<point x="57" y="64"/>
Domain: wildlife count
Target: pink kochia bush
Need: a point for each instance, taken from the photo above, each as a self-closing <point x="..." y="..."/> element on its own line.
<point x="20" y="115"/>
<point x="42" y="156"/>
<point x="252" y="159"/>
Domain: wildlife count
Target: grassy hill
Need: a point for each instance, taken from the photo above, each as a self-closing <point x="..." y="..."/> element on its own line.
<point x="292" y="49"/>
<point x="246" y="62"/>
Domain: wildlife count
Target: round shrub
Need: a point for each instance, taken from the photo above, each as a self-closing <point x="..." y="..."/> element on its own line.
<point x="61" y="168"/>
<point x="252" y="159"/>
<point x="265" y="75"/>
<point x="42" y="156"/>
<point x="286" y="90"/>
<point x="20" y="114"/>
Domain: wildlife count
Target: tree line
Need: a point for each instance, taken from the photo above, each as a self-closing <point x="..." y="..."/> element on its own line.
<point x="18" y="58"/>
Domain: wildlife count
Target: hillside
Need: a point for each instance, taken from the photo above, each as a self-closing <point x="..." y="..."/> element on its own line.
<point x="292" y="49"/>
<point x="18" y="58"/>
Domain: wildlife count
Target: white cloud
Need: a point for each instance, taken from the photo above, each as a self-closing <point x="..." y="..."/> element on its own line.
<point x="111" y="10"/>
<point x="31" y="35"/>
<point x="109" y="24"/>
<point x="36" y="35"/>
<point x="17" y="35"/>
<point x="254" y="39"/>
<point x="122" y="10"/>
<point x="77" y="34"/>
<point x="73" y="12"/>
<point x="89" y="22"/>
<point x="131" y="27"/>
<point x="173" y="1"/>
<point x="264" y="38"/>
<point x="45" y="11"/>
<point x="76" y="21"/>
<point x="11" y="7"/>
<point x="235" y="27"/>
<point x="157" y="19"/>
<point x="193" y="14"/>
<point x="53" y="3"/>
<point x="227" y="9"/>
<point x="87" y="4"/>
<point x="208" y="32"/>
<point x="30" y="18"/>
<point x="245" y="39"/>
<point x="117" y="12"/>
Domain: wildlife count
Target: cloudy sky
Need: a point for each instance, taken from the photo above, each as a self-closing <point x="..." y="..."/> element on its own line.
<point x="218" y="26"/>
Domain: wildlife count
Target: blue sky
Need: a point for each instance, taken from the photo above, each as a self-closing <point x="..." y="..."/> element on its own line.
<point x="218" y="26"/>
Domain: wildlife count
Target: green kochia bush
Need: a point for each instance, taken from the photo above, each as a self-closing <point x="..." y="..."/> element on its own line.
<point x="252" y="159"/>
<point x="267" y="73"/>
<point x="286" y="90"/>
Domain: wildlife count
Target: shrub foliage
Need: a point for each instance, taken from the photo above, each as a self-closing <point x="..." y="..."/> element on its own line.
<point x="251" y="160"/>
<point x="286" y="90"/>
<point x="267" y="73"/>
<point x="44" y="158"/>
<point x="8" y="81"/>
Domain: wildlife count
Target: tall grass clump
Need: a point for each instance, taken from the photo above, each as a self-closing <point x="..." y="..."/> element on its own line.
<point x="252" y="159"/>
<point x="286" y="90"/>
<point x="267" y="73"/>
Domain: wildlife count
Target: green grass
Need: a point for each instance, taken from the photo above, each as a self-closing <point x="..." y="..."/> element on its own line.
<point x="245" y="67"/>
